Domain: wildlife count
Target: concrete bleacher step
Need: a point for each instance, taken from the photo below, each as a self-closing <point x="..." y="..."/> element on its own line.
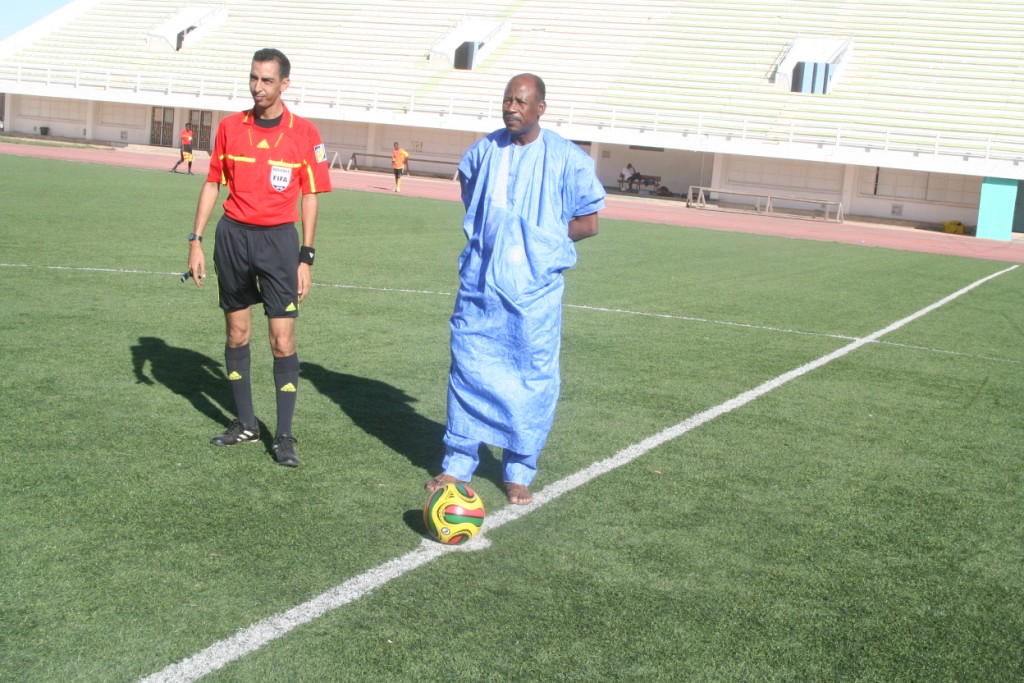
<point x="645" y="65"/>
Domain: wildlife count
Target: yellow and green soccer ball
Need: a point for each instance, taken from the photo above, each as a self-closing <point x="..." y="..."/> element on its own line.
<point x="453" y="514"/>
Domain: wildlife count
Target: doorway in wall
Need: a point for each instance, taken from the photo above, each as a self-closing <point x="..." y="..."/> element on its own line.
<point x="1018" y="208"/>
<point x="202" y="123"/>
<point x="161" y="131"/>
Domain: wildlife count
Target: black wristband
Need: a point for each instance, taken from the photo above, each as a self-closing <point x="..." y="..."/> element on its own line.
<point x="306" y="255"/>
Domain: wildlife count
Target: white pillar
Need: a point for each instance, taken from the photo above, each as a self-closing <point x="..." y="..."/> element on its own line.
<point x="8" y="103"/>
<point x="90" y="120"/>
<point x="849" y="190"/>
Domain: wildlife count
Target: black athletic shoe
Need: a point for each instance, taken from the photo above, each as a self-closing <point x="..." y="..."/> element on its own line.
<point x="236" y="433"/>
<point x="284" y="451"/>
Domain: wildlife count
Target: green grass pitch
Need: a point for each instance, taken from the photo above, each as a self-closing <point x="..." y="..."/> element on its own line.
<point x="863" y="522"/>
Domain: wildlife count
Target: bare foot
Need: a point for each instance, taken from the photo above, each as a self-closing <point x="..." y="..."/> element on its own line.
<point x="440" y="481"/>
<point x="517" y="493"/>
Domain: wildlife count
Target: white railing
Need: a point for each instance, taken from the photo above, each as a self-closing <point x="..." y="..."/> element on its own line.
<point x="334" y="102"/>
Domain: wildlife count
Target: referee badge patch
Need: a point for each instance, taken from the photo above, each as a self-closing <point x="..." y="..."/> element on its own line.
<point x="280" y="177"/>
<point x="321" y="153"/>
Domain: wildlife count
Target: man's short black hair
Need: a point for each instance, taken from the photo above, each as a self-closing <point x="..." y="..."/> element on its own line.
<point x="269" y="54"/>
<point x="538" y="84"/>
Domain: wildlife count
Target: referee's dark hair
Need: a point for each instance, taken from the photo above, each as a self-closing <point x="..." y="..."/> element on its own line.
<point x="269" y="54"/>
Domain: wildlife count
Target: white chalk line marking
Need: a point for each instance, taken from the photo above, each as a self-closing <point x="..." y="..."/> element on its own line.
<point x="707" y="321"/>
<point x="948" y="352"/>
<point x="129" y="271"/>
<point x="84" y="269"/>
<point x="598" y="309"/>
<point x="383" y="289"/>
<point x="785" y="330"/>
<point x="252" y="638"/>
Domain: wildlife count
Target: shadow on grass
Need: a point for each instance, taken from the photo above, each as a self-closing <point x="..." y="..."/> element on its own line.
<point x="383" y="411"/>
<point x="414" y="520"/>
<point x="189" y="374"/>
<point x="193" y="376"/>
<point x="386" y="412"/>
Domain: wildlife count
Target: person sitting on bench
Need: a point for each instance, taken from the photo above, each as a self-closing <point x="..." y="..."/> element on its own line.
<point x="632" y="177"/>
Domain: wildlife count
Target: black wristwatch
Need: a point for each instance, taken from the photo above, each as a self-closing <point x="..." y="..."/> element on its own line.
<point x="192" y="237"/>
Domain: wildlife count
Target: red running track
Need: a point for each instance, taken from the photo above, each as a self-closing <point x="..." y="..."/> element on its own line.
<point x="644" y="209"/>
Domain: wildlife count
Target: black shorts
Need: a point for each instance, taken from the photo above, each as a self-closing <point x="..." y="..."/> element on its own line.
<point x="257" y="264"/>
<point x="398" y="172"/>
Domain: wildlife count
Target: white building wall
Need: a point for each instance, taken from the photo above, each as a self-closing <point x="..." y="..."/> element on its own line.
<point x="935" y="210"/>
<point x="121" y="123"/>
<point x="127" y="123"/>
<point x="61" y="117"/>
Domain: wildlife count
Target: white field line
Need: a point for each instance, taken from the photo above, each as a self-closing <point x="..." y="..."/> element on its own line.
<point x="383" y="289"/>
<point x="83" y="269"/>
<point x="708" y="321"/>
<point x="786" y="330"/>
<point x="429" y="292"/>
<point x="975" y="356"/>
<point x="257" y="635"/>
<point x="598" y="309"/>
<point x="213" y="275"/>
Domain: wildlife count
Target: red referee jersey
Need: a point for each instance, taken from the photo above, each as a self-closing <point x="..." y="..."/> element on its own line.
<point x="267" y="169"/>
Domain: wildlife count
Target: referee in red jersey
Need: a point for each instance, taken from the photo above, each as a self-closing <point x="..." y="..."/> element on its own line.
<point x="271" y="162"/>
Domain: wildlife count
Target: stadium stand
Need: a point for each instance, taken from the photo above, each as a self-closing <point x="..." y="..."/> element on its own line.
<point x="691" y="89"/>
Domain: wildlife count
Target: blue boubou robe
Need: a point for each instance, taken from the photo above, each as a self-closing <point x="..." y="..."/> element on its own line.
<point x="506" y="329"/>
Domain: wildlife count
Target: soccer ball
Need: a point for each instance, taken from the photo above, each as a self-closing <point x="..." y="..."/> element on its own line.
<point x="453" y="514"/>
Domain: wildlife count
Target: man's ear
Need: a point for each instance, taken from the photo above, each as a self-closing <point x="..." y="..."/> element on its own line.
<point x="285" y="82"/>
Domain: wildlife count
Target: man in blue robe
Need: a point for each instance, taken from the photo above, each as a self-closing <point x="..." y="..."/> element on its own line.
<point x="529" y="195"/>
